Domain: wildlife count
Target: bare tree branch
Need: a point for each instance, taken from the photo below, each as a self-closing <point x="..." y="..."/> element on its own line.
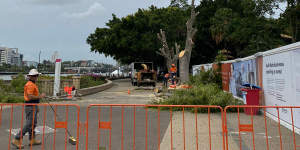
<point x="194" y="31"/>
<point x="161" y="52"/>
<point x="177" y="47"/>
<point x="172" y="56"/>
<point x="190" y="33"/>
<point x="168" y="53"/>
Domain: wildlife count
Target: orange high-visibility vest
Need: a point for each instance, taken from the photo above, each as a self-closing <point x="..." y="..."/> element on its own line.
<point x="30" y="88"/>
<point x="173" y="69"/>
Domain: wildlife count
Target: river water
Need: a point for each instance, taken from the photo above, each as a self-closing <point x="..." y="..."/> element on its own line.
<point x="5" y="77"/>
<point x="9" y="77"/>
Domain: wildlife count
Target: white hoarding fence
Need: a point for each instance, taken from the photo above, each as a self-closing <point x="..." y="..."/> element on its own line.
<point x="281" y="83"/>
<point x="198" y="68"/>
<point x="278" y="72"/>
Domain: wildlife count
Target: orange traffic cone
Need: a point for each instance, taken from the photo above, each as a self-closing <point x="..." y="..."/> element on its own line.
<point x="128" y="91"/>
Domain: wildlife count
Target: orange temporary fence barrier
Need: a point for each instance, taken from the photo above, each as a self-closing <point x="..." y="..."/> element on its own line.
<point x="13" y="117"/>
<point x="263" y="131"/>
<point x="126" y="126"/>
<point x="159" y="127"/>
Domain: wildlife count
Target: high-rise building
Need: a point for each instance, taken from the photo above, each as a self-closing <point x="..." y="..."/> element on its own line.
<point x="10" y="56"/>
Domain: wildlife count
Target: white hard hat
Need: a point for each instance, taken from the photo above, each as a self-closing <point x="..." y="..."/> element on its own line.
<point x="33" y="72"/>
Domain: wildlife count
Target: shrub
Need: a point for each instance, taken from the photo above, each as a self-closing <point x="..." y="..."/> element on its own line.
<point x="48" y="77"/>
<point x="16" y="86"/>
<point x="4" y="88"/>
<point x="18" y="83"/>
<point x="10" y="98"/>
<point x="208" y="94"/>
<point x="6" y="96"/>
<point x="206" y="90"/>
<point x="91" y="80"/>
<point x="207" y="77"/>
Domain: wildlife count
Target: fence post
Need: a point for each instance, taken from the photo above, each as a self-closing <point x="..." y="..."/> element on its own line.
<point x="76" y="81"/>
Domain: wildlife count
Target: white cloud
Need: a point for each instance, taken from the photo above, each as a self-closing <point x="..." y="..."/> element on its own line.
<point x="95" y="8"/>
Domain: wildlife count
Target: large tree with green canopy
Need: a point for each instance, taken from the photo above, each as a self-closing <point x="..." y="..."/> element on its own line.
<point x="241" y="27"/>
<point x="134" y="37"/>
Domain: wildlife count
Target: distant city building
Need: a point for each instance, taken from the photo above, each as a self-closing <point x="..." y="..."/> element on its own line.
<point x="30" y="64"/>
<point x="10" y="56"/>
<point x="16" y="58"/>
<point x="91" y="63"/>
<point x="67" y="64"/>
<point x="83" y="63"/>
<point x="54" y="56"/>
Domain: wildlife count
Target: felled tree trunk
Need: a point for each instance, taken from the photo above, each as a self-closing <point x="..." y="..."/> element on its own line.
<point x="184" y="61"/>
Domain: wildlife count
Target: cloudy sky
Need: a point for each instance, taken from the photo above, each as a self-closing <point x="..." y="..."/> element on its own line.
<point x="60" y="25"/>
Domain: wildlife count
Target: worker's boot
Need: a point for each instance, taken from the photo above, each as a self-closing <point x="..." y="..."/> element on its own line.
<point x="17" y="143"/>
<point x="35" y="142"/>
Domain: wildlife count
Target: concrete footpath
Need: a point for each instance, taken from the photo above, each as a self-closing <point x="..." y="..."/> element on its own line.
<point x="208" y="138"/>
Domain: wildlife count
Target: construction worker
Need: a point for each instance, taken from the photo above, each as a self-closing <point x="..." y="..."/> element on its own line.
<point x="173" y="72"/>
<point x="166" y="78"/>
<point x="31" y="96"/>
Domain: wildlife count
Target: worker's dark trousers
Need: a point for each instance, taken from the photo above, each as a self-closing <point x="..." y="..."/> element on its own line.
<point x="166" y="82"/>
<point x="31" y="113"/>
<point x="173" y="76"/>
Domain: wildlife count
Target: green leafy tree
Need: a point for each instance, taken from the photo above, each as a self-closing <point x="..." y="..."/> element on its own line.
<point x="239" y="26"/>
<point x="242" y="28"/>
<point x="291" y="18"/>
<point x="179" y="3"/>
<point x="221" y="24"/>
<point x="133" y="38"/>
<point x="223" y="55"/>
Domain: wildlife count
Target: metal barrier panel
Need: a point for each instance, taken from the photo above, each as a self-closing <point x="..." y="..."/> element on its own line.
<point x="54" y="124"/>
<point x="255" y="128"/>
<point x="154" y="127"/>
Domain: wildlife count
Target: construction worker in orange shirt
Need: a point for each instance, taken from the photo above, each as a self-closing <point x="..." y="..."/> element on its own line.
<point x="32" y="97"/>
<point x="173" y="72"/>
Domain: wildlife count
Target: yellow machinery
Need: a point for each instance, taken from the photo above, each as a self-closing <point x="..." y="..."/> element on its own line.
<point x="143" y="74"/>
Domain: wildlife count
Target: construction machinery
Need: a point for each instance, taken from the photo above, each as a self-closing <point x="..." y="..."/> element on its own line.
<point x="143" y="74"/>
